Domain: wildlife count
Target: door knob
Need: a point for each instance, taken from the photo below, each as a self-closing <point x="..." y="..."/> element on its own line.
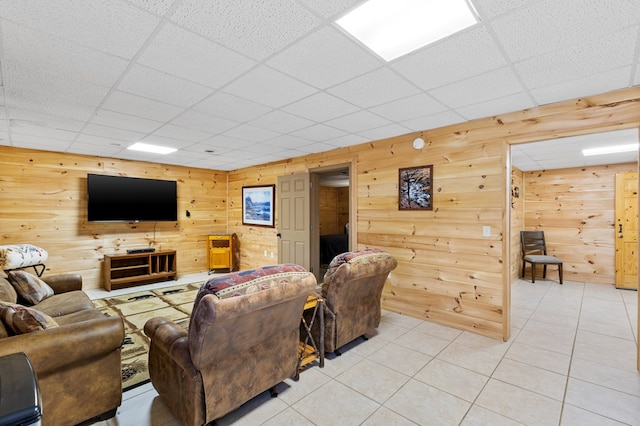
<point x="279" y="235"/>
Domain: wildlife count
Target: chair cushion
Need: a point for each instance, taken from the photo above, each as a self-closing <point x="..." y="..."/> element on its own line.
<point x="29" y="287"/>
<point x="250" y="281"/>
<point x="21" y="255"/>
<point x="539" y="258"/>
<point x="21" y="319"/>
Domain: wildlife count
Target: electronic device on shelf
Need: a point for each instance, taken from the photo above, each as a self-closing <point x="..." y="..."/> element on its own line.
<point x="142" y="250"/>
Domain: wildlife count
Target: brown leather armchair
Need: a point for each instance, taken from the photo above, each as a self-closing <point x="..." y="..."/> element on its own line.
<point x="237" y="346"/>
<point x="352" y="289"/>
<point x="77" y="364"/>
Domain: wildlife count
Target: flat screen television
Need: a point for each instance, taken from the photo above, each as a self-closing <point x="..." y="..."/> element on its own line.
<point x="128" y="199"/>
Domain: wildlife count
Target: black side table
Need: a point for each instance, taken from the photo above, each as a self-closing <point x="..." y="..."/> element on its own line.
<point x="20" y="402"/>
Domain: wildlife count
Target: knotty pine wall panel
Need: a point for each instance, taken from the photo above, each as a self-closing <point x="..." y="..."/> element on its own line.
<point x="575" y="209"/>
<point x="328" y="210"/>
<point x="516" y="221"/>
<point x="43" y="202"/>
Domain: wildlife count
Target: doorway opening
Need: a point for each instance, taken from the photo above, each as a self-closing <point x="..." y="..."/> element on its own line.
<point x="332" y="215"/>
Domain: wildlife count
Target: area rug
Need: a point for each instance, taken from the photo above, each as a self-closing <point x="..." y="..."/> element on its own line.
<point x="174" y="303"/>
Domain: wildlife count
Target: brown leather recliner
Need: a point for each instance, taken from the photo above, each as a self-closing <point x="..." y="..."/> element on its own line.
<point x="77" y="364"/>
<point x="238" y="345"/>
<point x="352" y="289"/>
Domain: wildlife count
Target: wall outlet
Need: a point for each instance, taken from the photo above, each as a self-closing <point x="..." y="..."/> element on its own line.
<point x="272" y="255"/>
<point x="486" y="231"/>
<point x="265" y="253"/>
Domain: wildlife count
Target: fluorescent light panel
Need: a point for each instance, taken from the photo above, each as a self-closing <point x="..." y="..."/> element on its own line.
<point x="156" y="149"/>
<point x="392" y="28"/>
<point x="614" y="149"/>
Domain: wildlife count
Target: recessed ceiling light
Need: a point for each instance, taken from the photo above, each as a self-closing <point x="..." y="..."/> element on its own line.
<point x="156" y="149"/>
<point x="394" y="28"/>
<point x="614" y="149"/>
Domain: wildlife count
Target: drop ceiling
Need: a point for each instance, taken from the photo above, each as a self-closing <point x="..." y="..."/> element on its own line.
<point x="243" y="82"/>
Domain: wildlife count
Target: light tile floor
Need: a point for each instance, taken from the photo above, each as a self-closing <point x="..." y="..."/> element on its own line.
<point x="571" y="360"/>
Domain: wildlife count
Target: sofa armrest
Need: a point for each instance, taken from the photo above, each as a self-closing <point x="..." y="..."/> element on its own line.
<point x="171" y="339"/>
<point x="64" y="283"/>
<point x="55" y="348"/>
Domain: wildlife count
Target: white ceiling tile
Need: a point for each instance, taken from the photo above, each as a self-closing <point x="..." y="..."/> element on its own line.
<point x="580" y="60"/>
<point x="156" y="85"/>
<point x="458" y="57"/>
<point x="325" y="58"/>
<point x="44" y="120"/>
<point x="87" y="139"/>
<point x="231" y="107"/>
<point x="289" y="141"/>
<point x="319" y="133"/>
<point x="205" y="122"/>
<point x="585" y="86"/>
<point x="247" y="26"/>
<point x="550" y="25"/>
<point x="484" y="87"/>
<point x="20" y="128"/>
<point x="263" y="148"/>
<point x="410" y="107"/>
<point x="93" y="149"/>
<point x="347" y="140"/>
<point x="112" y="132"/>
<point x="489" y="9"/>
<point x="53" y="86"/>
<point x="321" y="106"/>
<point x="37" y="103"/>
<point x="375" y="88"/>
<point x="250" y="133"/>
<point x="38" y="142"/>
<point x="315" y="147"/>
<point x="159" y="7"/>
<point x="89" y="23"/>
<point x="330" y="8"/>
<point x="433" y="121"/>
<point x="225" y="141"/>
<point x="385" y="132"/>
<point x="127" y="103"/>
<point x="182" y="133"/>
<point x="358" y="122"/>
<point x="269" y="87"/>
<point x="203" y="61"/>
<point x="35" y="49"/>
<point x="115" y="119"/>
<point x="515" y="102"/>
<point x="282" y="122"/>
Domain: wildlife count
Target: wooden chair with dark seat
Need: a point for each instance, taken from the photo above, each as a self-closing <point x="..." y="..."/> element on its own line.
<point x="534" y="251"/>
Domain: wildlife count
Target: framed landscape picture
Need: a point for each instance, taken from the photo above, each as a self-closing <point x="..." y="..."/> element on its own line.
<point x="415" y="188"/>
<point x="258" y="205"/>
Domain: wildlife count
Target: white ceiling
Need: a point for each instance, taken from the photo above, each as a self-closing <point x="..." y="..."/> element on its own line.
<point x="234" y="83"/>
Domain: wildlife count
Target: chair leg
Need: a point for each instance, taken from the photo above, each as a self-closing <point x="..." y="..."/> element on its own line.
<point x="533" y="272"/>
<point x="544" y="271"/>
<point x="560" y="271"/>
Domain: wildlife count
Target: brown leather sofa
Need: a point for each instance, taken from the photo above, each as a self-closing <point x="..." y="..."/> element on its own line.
<point x="241" y="341"/>
<point x="77" y="364"/>
<point x="352" y="289"/>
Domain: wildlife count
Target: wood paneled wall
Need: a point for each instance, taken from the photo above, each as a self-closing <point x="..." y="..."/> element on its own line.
<point x="575" y="208"/>
<point x="43" y="202"/>
<point x="517" y="221"/>
<point x="334" y="209"/>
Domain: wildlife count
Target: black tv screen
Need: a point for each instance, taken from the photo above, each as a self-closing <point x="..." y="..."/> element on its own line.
<point x="127" y="199"/>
